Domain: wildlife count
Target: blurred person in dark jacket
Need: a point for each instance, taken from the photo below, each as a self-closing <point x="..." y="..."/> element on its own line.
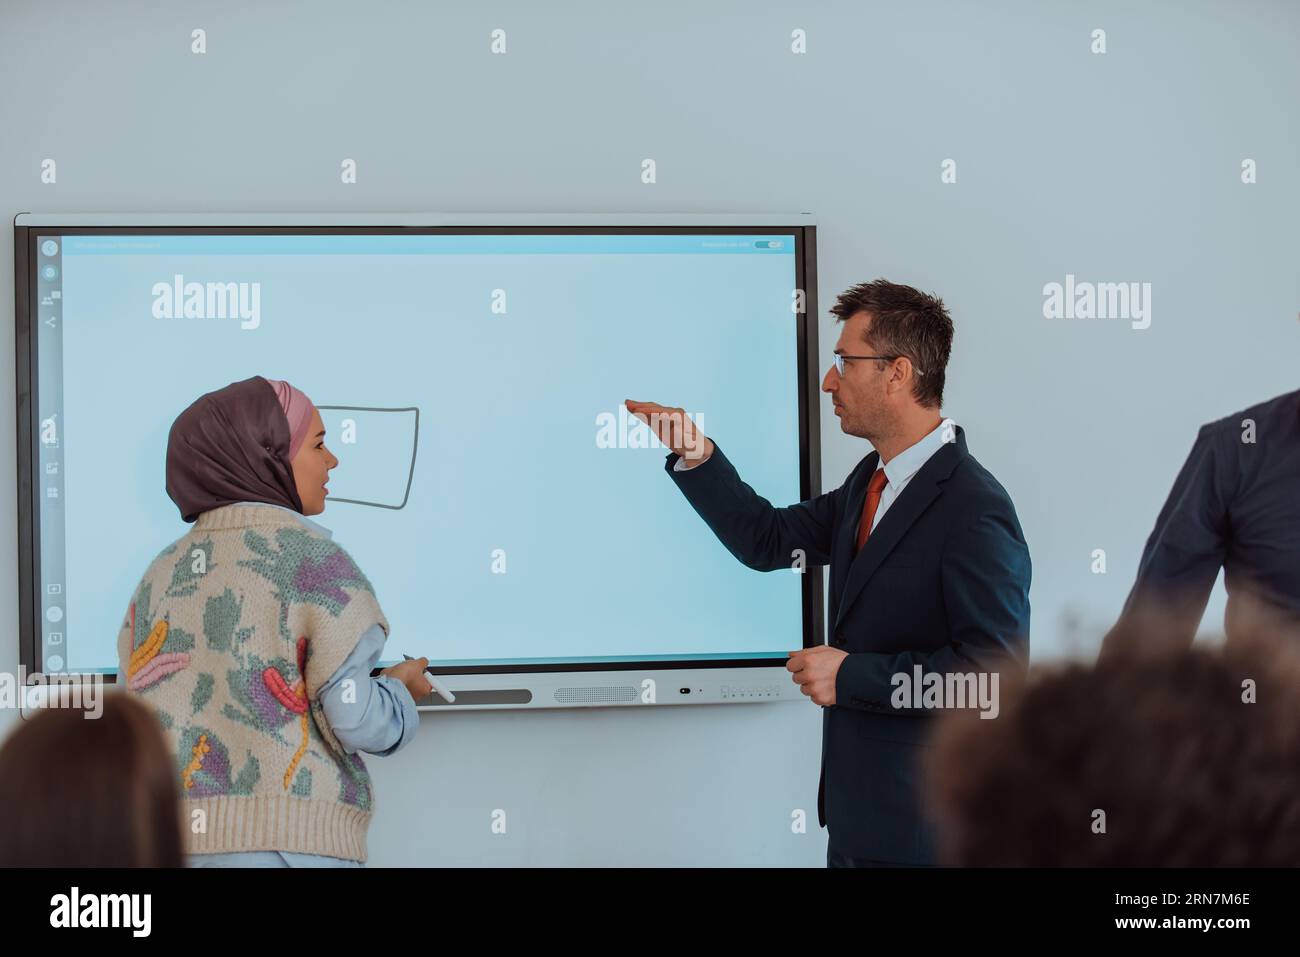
<point x="1235" y="506"/>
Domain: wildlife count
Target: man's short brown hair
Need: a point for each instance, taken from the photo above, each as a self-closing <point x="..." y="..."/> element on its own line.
<point x="904" y="322"/>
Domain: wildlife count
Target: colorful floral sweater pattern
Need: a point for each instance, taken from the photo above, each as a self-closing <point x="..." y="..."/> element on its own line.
<point x="229" y="636"/>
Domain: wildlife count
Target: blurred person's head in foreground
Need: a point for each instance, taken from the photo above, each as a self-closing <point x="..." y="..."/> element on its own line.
<point x="1159" y="756"/>
<point x="89" y="793"/>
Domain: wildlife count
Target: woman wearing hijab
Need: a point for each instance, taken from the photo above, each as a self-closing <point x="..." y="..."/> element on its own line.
<point x="253" y="637"/>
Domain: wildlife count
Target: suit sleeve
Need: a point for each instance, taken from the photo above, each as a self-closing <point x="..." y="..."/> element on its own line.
<point x="985" y="572"/>
<point x="1187" y="547"/>
<point x="760" y="535"/>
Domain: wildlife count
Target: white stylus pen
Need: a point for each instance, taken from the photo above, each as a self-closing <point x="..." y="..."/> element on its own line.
<point x="446" y="695"/>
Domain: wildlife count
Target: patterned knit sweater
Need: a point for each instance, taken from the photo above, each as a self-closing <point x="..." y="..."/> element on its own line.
<point x="230" y="634"/>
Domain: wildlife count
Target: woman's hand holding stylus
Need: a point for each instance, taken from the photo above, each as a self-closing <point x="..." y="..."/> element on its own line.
<point x="411" y="673"/>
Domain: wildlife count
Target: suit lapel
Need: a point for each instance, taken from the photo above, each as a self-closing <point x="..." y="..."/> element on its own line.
<point x="916" y="497"/>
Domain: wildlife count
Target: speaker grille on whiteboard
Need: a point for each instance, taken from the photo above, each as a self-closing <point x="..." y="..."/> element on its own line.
<point x="608" y="694"/>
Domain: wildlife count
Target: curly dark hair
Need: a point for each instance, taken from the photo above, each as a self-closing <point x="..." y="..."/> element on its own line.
<point x="1162" y="740"/>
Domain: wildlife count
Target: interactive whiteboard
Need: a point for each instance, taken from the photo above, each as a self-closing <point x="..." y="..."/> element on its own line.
<point x="509" y="513"/>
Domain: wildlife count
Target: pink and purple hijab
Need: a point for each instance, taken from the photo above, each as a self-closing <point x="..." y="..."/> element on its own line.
<point x="237" y="444"/>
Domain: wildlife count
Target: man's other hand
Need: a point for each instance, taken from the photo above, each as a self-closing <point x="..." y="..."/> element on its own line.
<point x="814" y="670"/>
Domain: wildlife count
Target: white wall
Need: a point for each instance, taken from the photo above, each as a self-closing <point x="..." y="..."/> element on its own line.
<point x="1115" y="167"/>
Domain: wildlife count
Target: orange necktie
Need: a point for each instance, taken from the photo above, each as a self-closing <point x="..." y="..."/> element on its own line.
<point x="874" y="488"/>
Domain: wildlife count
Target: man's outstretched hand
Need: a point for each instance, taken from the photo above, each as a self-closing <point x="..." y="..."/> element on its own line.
<point x="674" y="428"/>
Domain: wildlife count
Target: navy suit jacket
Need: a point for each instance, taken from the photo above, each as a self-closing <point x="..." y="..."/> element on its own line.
<point x="943" y="582"/>
<point x="1235" y="505"/>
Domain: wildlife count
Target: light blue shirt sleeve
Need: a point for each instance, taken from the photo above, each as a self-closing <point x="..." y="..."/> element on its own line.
<point x="381" y="717"/>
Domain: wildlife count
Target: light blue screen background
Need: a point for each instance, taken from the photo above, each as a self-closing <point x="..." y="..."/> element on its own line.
<point x="604" y="557"/>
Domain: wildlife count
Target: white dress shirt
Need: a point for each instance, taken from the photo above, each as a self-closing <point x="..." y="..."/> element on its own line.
<point x="900" y="469"/>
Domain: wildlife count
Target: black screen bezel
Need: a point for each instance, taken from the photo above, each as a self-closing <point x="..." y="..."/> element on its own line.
<point x="26" y="366"/>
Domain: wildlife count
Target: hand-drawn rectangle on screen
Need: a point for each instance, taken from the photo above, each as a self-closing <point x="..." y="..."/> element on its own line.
<point x="376" y="451"/>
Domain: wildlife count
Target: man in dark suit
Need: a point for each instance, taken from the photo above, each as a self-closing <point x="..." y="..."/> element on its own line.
<point x="929" y="567"/>
<point x="1235" y="505"/>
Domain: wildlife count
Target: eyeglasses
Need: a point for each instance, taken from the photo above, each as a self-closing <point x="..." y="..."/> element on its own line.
<point x="839" y="362"/>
